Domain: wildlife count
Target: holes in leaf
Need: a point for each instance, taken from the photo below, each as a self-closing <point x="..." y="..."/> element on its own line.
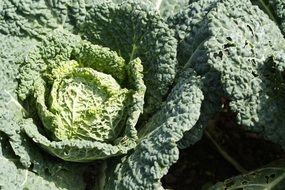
<point x="229" y="38"/>
<point x="272" y="176"/>
<point x="250" y="28"/>
<point x="253" y="63"/>
<point x="244" y="182"/>
<point x="227" y="51"/>
<point x="269" y="178"/>
<point x="66" y="153"/>
<point x="254" y="74"/>
<point x="228" y="45"/>
<point x="220" y="55"/>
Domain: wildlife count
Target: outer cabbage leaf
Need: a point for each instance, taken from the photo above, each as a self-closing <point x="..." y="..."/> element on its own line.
<point x="239" y="52"/>
<point x="51" y="174"/>
<point x="135" y="29"/>
<point x="157" y="150"/>
<point x="271" y="176"/>
<point x="168" y="8"/>
<point x="12" y="49"/>
<point x="251" y="69"/>
<point x="188" y="25"/>
<point x="22" y="164"/>
<point x="36" y="18"/>
<point x="191" y="31"/>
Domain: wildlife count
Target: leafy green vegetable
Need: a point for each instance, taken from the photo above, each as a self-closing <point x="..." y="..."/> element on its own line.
<point x="239" y="52"/>
<point x="51" y="174"/>
<point x="82" y="109"/>
<point x="157" y="149"/>
<point x="134" y="29"/>
<point x="271" y="177"/>
<point x="191" y="31"/>
<point x="43" y="64"/>
<point x="125" y="81"/>
<point x="36" y="18"/>
<point x="22" y="164"/>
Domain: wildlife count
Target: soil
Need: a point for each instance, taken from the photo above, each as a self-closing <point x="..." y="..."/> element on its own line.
<point x="202" y="165"/>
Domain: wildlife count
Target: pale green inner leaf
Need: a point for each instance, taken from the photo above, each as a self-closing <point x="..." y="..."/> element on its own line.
<point x="85" y="104"/>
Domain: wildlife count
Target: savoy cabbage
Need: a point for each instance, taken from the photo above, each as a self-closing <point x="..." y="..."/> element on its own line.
<point x="77" y="96"/>
<point x="115" y="87"/>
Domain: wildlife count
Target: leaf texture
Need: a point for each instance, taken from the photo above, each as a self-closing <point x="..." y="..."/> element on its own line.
<point x="271" y="177"/>
<point x="157" y="149"/>
<point x="239" y="53"/>
<point x="134" y="30"/>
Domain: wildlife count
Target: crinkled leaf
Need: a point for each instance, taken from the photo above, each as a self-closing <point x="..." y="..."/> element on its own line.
<point x="169" y="7"/>
<point x="157" y="150"/>
<point x="33" y="19"/>
<point x="271" y="177"/>
<point x="17" y="152"/>
<point x="46" y="173"/>
<point x="13" y="49"/>
<point x="135" y="29"/>
<point x="239" y="52"/>
<point x="191" y="31"/>
<point x="36" y="18"/>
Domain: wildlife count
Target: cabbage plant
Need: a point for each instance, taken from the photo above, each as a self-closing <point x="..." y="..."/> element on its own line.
<point x="86" y="81"/>
<point x="102" y="94"/>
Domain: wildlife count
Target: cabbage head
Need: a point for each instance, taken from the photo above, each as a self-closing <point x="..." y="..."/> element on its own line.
<point x="81" y="94"/>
